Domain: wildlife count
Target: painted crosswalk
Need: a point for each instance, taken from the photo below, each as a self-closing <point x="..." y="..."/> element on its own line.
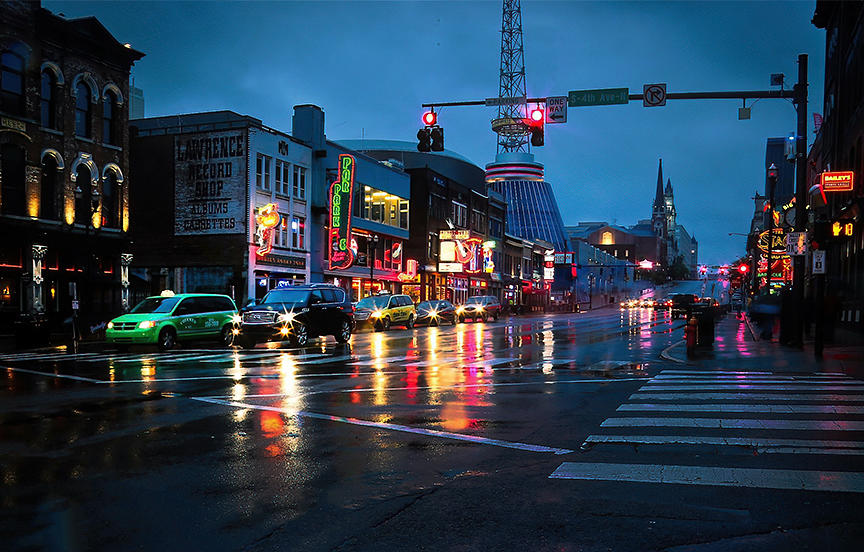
<point x="810" y="415"/>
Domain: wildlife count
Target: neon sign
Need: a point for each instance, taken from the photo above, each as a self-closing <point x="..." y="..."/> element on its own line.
<point x="410" y="271"/>
<point x="778" y="242"/>
<point x="341" y="194"/>
<point x="837" y="181"/>
<point x="267" y="218"/>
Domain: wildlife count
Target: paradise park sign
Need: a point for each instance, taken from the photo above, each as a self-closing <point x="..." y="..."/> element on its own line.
<point x="341" y="195"/>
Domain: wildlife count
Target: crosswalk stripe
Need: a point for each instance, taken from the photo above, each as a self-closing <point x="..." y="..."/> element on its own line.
<point x="729" y="377"/>
<point x="754" y="382"/>
<point x="769" y="408"/>
<point x="700" y="372"/>
<point x="708" y="475"/>
<point x="850" y="398"/>
<point x="736" y="423"/>
<point x="756" y="442"/>
<point x="756" y="387"/>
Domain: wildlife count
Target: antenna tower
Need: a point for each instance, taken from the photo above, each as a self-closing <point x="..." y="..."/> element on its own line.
<point x="514" y="136"/>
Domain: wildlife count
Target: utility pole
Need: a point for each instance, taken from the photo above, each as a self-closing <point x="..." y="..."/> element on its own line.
<point x="800" y="100"/>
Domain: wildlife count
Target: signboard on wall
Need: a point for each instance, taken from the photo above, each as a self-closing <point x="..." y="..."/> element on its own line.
<point x="843" y="181"/>
<point x="210" y="183"/>
<point x="341" y="192"/>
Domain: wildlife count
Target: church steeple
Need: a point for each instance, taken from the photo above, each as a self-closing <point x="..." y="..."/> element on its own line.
<point x="668" y="187"/>
<point x="658" y="198"/>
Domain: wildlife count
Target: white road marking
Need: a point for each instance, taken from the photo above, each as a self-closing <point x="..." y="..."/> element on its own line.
<point x="395" y="427"/>
<point x="852" y="482"/>
<point x="53" y="375"/>
<point x="770" y="408"/>
<point x="746" y="386"/>
<point x="729" y="377"/>
<point x="736" y="423"/>
<point x="776" y="445"/>
<point x="718" y="372"/>
<point x="738" y="381"/>
<point x="850" y="398"/>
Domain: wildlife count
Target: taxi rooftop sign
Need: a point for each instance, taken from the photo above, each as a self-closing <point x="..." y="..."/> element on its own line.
<point x="838" y="181"/>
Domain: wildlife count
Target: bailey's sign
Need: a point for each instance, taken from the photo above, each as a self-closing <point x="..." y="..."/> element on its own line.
<point x="838" y="181"/>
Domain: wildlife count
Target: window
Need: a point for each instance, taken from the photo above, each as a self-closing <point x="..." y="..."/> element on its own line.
<point x="460" y="215"/>
<point x="298" y="232"/>
<point x="262" y="173"/>
<point x="495" y="227"/>
<point x="82" y="200"/>
<point x="384" y="207"/>
<point x="283" y="178"/>
<point x="431" y="249"/>
<point x="47" y="102"/>
<point x="280" y="239"/>
<point x="82" y="110"/>
<point x="109" y="116"/>
<point x="606" y="238"/>
<point x="403" y="214"/>
<point x="12" y="180"/>
<point x="12" y="83"/>
<point x="478" y="221"/>
<point x="109" y="200"/>
<point x="48" y="199"/>
<point x="299" y="182"/>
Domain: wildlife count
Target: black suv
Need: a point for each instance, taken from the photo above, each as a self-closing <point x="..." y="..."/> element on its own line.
<point x="296" y="314"/>
<point x="682" y="303"/>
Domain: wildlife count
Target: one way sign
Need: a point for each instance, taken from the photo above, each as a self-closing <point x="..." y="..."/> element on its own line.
<point x="556" y="109"/>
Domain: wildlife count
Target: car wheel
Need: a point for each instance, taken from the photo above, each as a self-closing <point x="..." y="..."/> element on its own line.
<point x="300" y="336"/>
<point x="409" y="325"/>
<point x="453" y="321"/>
<point x="484" y="317"/>
<point x="227" y="336"/>
<point x="461" y="319"/>
<point x="167" y="339"/>
<point x="344" y="332"/>
<point x="385" y="323"/>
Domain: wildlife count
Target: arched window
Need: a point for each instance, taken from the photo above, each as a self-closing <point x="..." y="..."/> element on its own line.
<point x="82" y="110"/>
<point x="12" y="180"/>
<point x="606" y="238"/>
<point x="48" y="103"/>
<point x="109" y="115"/>
<point x="83" y="189"/>
<point x="110" y="203"/>
<point x="50" y="193"/>
<point x="12" y="83"/>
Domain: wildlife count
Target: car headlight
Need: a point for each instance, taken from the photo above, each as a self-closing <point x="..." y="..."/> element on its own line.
<point x="433" y="313"/>
<point x="147" y="324"/>
<point x="287" y="317"/>
<point x="237" y="319"/>
<point x="460" y="310"/>
<point x="375" y="314"/>
<point x="110" y="325"/>
<point x="480" y="308"/>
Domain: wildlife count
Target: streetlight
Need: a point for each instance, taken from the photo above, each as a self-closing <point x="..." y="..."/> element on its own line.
<point x="373" y="245"/>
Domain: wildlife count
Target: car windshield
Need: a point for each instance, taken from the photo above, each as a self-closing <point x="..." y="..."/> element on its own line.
<point x="373" y="303"/>
<point x="427" y="305"/>
<point x="155" y="304"/>
<point x="286" y="296"/>
<point x="474" y="301"/>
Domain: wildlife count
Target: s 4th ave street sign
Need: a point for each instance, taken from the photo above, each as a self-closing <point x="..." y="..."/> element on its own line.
<point x="602" y="96"/>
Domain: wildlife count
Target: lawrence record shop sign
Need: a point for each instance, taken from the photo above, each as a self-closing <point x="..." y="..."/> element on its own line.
<point x="210" y="183"/>
<point x="341" y="194"/>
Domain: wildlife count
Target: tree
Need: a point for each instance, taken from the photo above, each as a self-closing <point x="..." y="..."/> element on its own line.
<point x="679" y="270"/>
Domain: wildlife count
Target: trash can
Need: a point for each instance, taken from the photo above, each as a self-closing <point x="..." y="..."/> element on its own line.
<point x="705" y="323"/>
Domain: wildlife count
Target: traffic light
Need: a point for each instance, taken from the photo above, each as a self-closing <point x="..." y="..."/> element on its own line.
<point x="424" y="143"/>
<point x="773" y="174"/>
<point x="437" y="138"/>
<point x="743" y="268"/>
<point x="535" y="124"/>
<point x="430" y="118"/>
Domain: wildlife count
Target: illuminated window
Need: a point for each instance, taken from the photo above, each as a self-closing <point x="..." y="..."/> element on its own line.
<point x="109" y="118"/>
<point x="280" y="237"/>
<point x="48" y="100"/>
<point x="384" y="207"/>
<point x="12" y="82"/>
<point x="606" y="239"/>
<point x="298" y="232"/>
<point x="82" y="110"/>
<point x="300" y="182"/>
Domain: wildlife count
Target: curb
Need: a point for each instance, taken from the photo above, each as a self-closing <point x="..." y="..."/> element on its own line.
<point x="750" y="326"/>
<point x="666" y="356"/>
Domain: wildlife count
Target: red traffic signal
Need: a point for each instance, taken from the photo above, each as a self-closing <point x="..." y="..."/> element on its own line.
<point x="773" y="173"/>
<point x="536" y="115"/>
<point x="430" y="118"/>
<point x="743" y="268"/>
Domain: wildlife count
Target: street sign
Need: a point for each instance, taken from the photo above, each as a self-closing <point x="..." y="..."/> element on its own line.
<point x="819" y="261"/>
<point x="494" y="102"/>
<point x="601" y="96"/>
<point x="74" y="305"/>
<point x="796" y="243"/>
<point x="556" y="109"/>
<point x="654" y="95"/>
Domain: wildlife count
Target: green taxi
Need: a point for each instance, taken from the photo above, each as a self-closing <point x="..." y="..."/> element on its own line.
<point x="167" y="319"/>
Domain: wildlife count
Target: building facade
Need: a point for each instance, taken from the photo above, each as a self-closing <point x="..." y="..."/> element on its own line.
<point x="64" y="178"/>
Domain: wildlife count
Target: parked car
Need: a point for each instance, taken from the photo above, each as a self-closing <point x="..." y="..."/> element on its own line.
<point x="479" y="307"/>
<point x="383" y="311"/>
<point x="434" y="313"/>
<point x="682" y="303"/>
<point x="297" y="314"/>
<point x="167" y="319"/>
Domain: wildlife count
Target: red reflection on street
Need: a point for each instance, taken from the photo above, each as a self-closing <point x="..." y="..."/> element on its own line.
<point x="355" y="397"/>
<point x="454" y="417"/>
<point x="271" y="423"/>
<point x="411" y="383"/>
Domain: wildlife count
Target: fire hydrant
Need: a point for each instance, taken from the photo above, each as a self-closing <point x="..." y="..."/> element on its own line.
<point x="690" y="331"/>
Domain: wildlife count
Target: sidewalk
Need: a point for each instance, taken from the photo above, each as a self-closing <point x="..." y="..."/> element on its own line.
<point x="737" y="347"/>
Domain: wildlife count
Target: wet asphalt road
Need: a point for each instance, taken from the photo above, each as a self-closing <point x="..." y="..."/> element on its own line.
<point x="434" y="438"/>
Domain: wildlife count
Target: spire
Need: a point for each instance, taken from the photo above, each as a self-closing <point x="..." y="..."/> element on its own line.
<point x="668" y="187"/>
<point x="658" y="198"/>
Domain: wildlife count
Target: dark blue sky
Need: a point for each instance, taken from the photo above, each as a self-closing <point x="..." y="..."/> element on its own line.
<point x="370" y="65"/>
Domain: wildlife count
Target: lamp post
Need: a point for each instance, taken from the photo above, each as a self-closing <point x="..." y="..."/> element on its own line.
<point x="373" y="246"/>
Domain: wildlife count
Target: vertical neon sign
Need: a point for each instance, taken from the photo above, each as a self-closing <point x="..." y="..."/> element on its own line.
<point x="341" y="194"/>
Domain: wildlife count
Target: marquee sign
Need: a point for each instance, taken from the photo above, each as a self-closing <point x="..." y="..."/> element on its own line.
<point x="341" y="194"/>
<point x="838" y="181"/>
<point x="778" y="242"/>
<point x="267" y="219"/>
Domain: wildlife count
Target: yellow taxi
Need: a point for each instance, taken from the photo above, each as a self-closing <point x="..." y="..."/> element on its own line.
<point x="383" y="311"/>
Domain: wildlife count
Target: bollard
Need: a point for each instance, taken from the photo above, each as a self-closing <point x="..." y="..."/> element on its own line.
<point x="690" y="331"/>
